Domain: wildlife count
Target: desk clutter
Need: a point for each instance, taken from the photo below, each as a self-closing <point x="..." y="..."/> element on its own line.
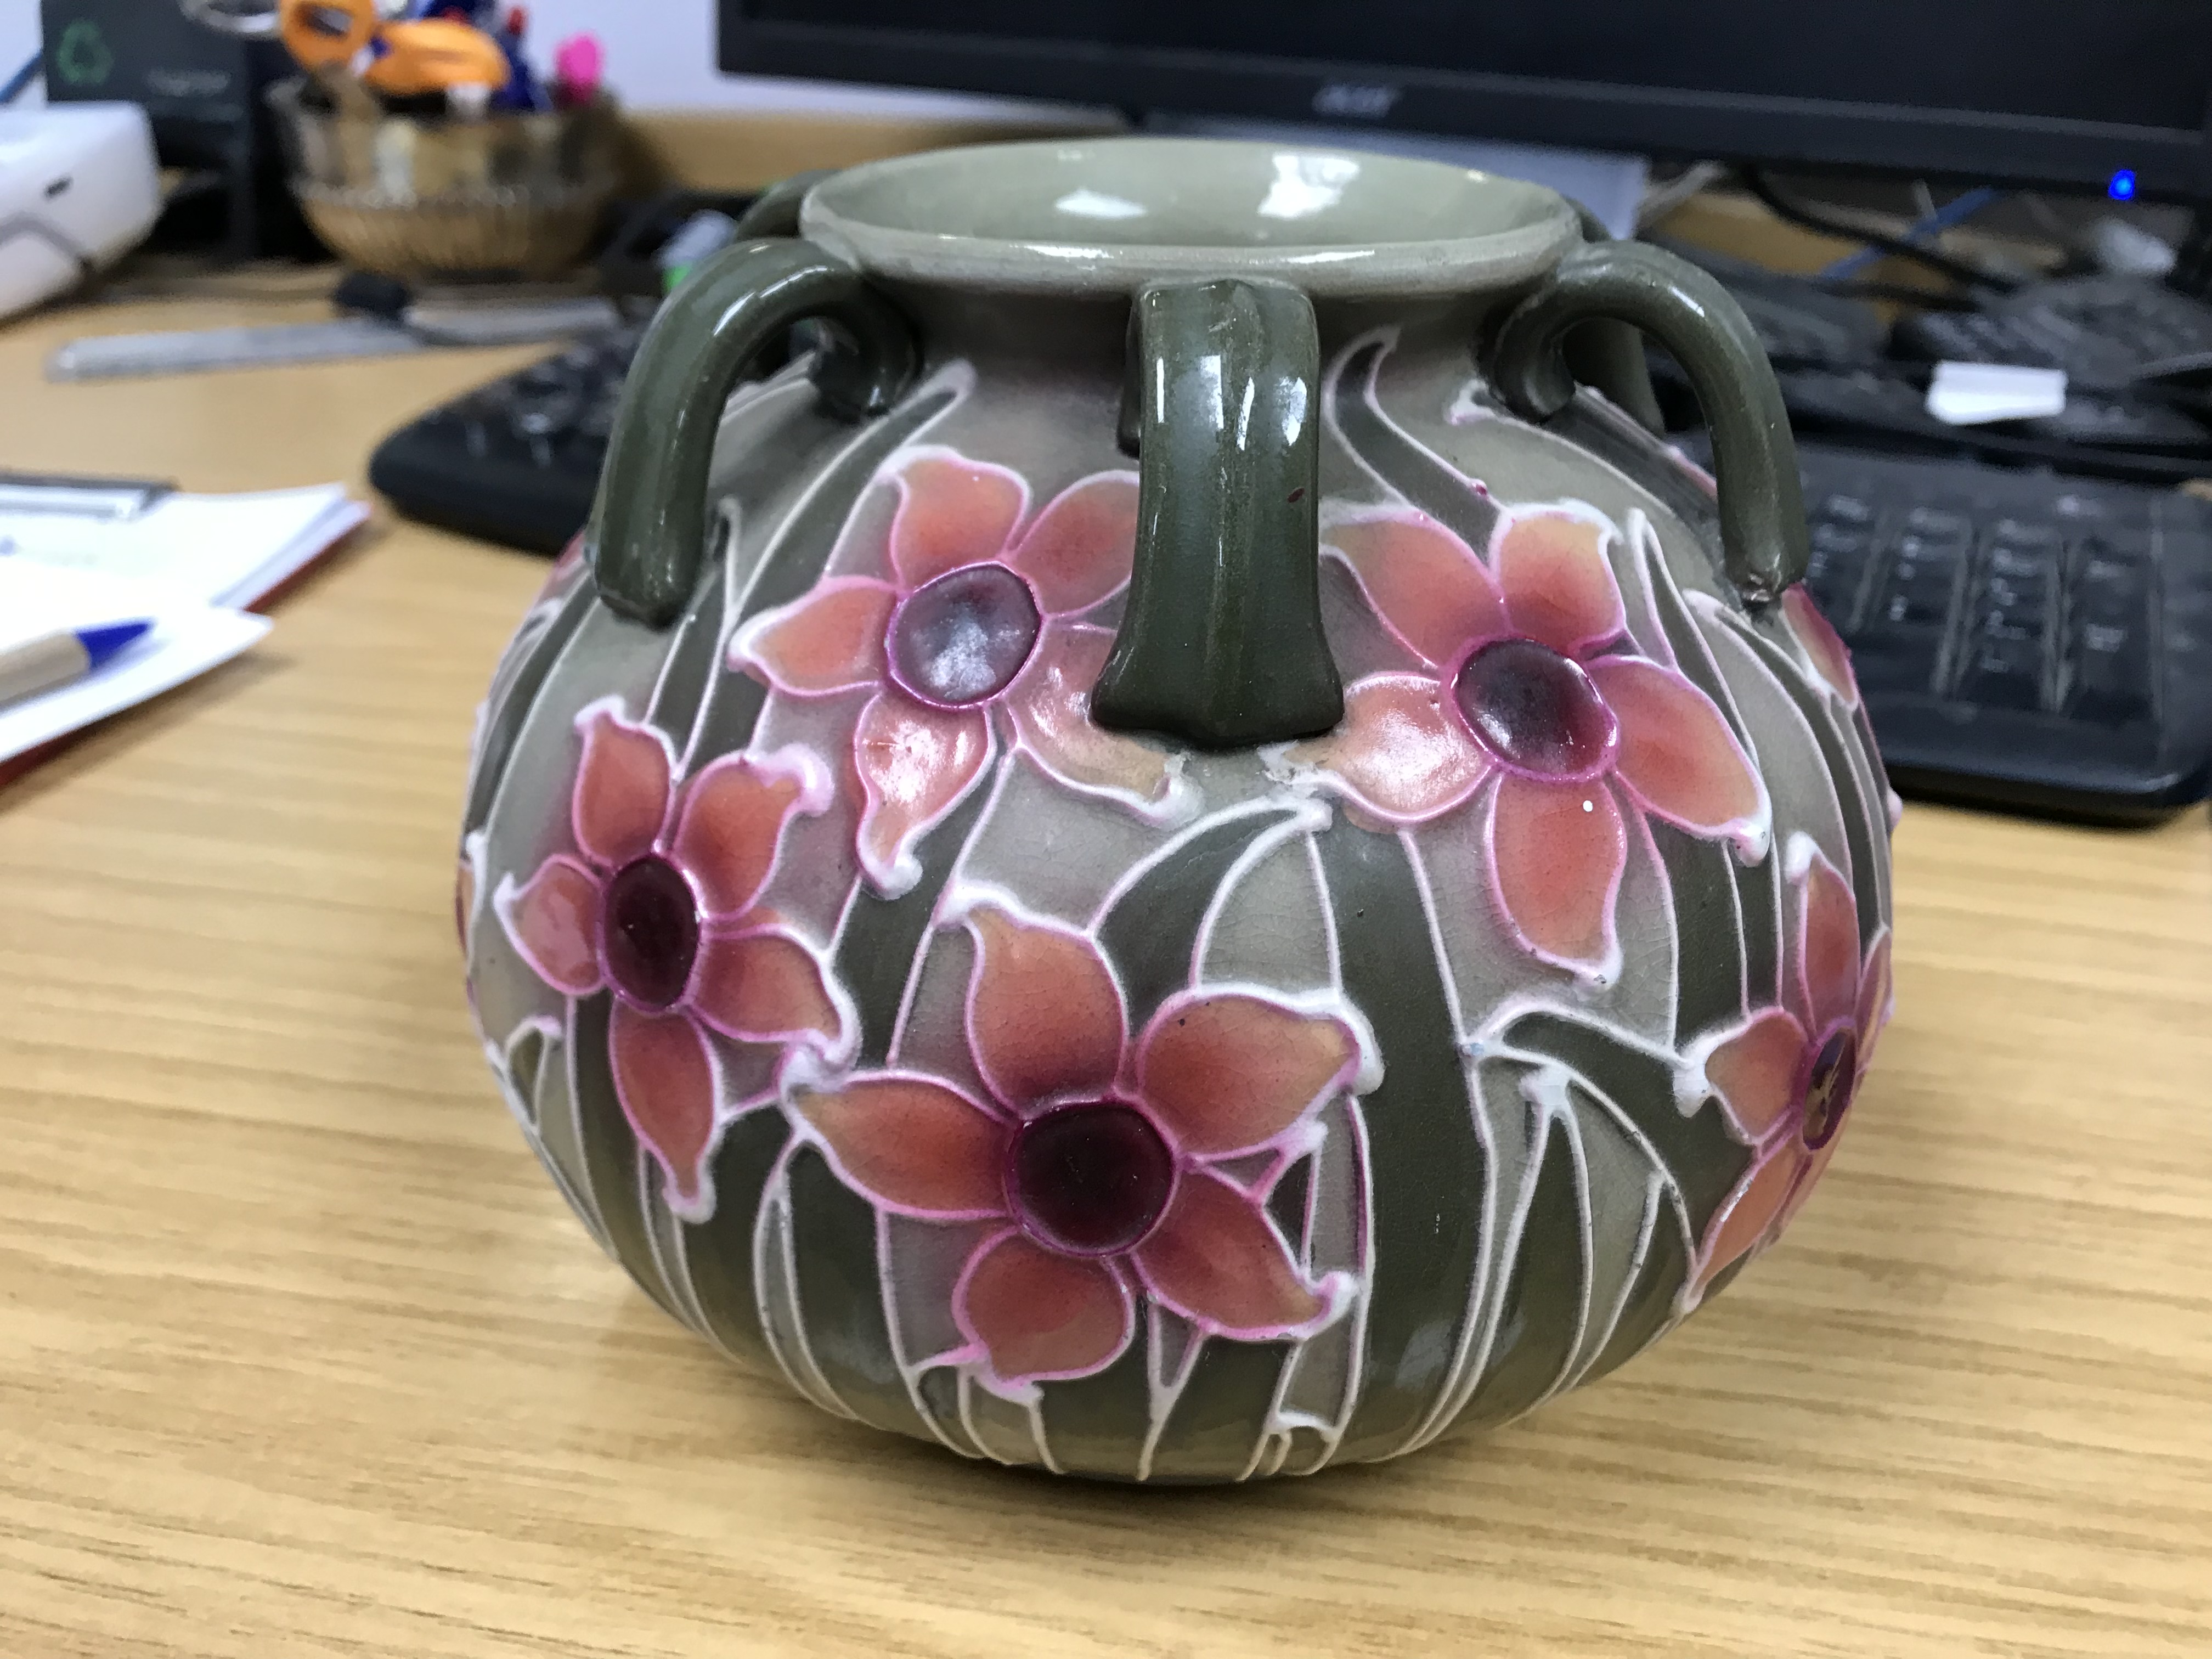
<point x="77" y="557"/>
<point x="434" y="56"/>
<point x="427" y="141"/>
<point x="78" y="189"/>
<point x="424" y="135"/>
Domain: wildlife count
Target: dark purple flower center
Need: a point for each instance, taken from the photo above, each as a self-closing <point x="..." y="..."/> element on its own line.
<point x="1090" y="1179"/>
<point x="649" y="932"/>
<point x="962" y="638"/>
<point x="1536" y="710"/>
<point x="1828" y="1085"/>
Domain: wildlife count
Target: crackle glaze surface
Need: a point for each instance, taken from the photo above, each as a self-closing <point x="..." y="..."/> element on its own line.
<point x="1074" y="1101"/>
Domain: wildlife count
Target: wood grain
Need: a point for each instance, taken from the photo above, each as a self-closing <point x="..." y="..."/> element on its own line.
<point x="301" y="1355"/>
<point x="747" y="149"/>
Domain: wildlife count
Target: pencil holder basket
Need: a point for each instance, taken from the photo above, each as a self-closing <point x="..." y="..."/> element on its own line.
<point x="411" y="195"/>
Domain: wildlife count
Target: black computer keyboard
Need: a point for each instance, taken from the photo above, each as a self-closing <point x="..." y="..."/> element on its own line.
<point x="2022" y="640"/>
<point x="516" y="461"/>
<point x="1845" y="377"/>
<point x="2029" y="603"/>
<point x="2123" y="436"/>
<point x="2106" y="332"/>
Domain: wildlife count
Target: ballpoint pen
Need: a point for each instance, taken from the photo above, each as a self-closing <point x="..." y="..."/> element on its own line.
<point x="56" y="658"/>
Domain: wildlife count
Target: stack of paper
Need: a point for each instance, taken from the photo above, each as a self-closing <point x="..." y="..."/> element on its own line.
<point x="192" y="564"/>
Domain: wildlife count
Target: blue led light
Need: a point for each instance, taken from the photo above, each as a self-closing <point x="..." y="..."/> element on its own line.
<point x="2123" y="187"/>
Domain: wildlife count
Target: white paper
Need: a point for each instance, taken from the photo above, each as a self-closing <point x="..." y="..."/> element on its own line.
<point x="203" y="549"/>
<point x="1971" y="394"/>
<point x="38" y="600"/>
<point x="186" y="640"/>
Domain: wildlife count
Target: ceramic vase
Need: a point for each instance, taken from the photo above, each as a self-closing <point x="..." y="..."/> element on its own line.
<point x="1184" y="852"/>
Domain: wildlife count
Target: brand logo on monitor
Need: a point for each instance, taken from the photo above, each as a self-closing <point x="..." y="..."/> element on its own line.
<point x="1364" y="100"/>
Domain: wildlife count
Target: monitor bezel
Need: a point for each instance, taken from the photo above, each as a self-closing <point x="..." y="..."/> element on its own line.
<point x="2028" y="151"/>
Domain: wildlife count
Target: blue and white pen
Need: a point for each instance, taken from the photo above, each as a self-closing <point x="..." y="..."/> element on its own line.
<point x="53" y="660"/>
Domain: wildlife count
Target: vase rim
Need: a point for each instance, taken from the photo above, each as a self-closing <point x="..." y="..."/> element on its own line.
<point x="1103" y="217"/>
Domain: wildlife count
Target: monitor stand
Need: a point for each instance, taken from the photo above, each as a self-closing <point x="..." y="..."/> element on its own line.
<point x="1609" y="185"/>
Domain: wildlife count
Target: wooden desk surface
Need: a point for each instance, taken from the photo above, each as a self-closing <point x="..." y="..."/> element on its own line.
<point x="301" y="1355"/>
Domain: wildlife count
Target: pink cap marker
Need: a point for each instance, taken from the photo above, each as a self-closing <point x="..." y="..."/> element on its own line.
<point x="577" y="63"/>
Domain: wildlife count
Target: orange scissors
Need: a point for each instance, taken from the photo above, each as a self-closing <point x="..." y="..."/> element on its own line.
<point x="434" y="54"/>
<point x="326" y="34"/>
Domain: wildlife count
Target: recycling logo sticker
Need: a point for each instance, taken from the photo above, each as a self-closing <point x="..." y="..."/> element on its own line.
<point x="83" y="58"/>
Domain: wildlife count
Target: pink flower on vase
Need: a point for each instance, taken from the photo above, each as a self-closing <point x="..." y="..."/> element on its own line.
<point x="1528" y="684"/>
<point x="976" y="615"/>
<point x="657" y="906"/>
<point x="1831" y="657"/>
<point x="1097" y="1167"/>
<point x="1832" y="661"/>
<point x="1787" y="1076"/>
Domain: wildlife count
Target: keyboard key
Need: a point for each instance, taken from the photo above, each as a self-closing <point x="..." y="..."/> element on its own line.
<point x="2081" y="508"/>
<point x="2115" y="592"/>
<point x="1917" y="588"/>
<point x="543" y="416"/>
<point x="1833" y="586"/>
<point x="1848" y="509"/>
<point x="2017" y="593"/>
<point x="2010" y="563"/>
<point x="1896" y="657"/>
<point x="2109" y="623"/>
<point x="2025" y="537"/>
<point x="2109" y="683"/>
<point x="1938" y="545"/>
<point x="2024" y="598"/>
<point x="1836" y="569"/>
<point x="1992" y="621"/>
<point x="1938" y="525"/>
<point x="2002" y="670"/>
<point x="2108" y="541"/>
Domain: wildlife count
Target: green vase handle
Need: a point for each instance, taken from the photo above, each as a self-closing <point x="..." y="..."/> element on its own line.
<point x="1221" y="646"/>
<point x="647" y="536"/>
<point x="1762" y="508"/>
<point x="1605" y="354"/>
<point x="775" y="211"/>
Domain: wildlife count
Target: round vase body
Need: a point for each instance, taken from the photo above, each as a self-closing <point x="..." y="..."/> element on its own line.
<point x="1096" y="1100"/>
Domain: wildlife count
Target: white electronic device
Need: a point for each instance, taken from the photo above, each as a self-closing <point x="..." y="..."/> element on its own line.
<point x="79" y="188"/>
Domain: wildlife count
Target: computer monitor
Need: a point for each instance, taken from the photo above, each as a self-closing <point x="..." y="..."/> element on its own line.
<point x="2113" y="95"/>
